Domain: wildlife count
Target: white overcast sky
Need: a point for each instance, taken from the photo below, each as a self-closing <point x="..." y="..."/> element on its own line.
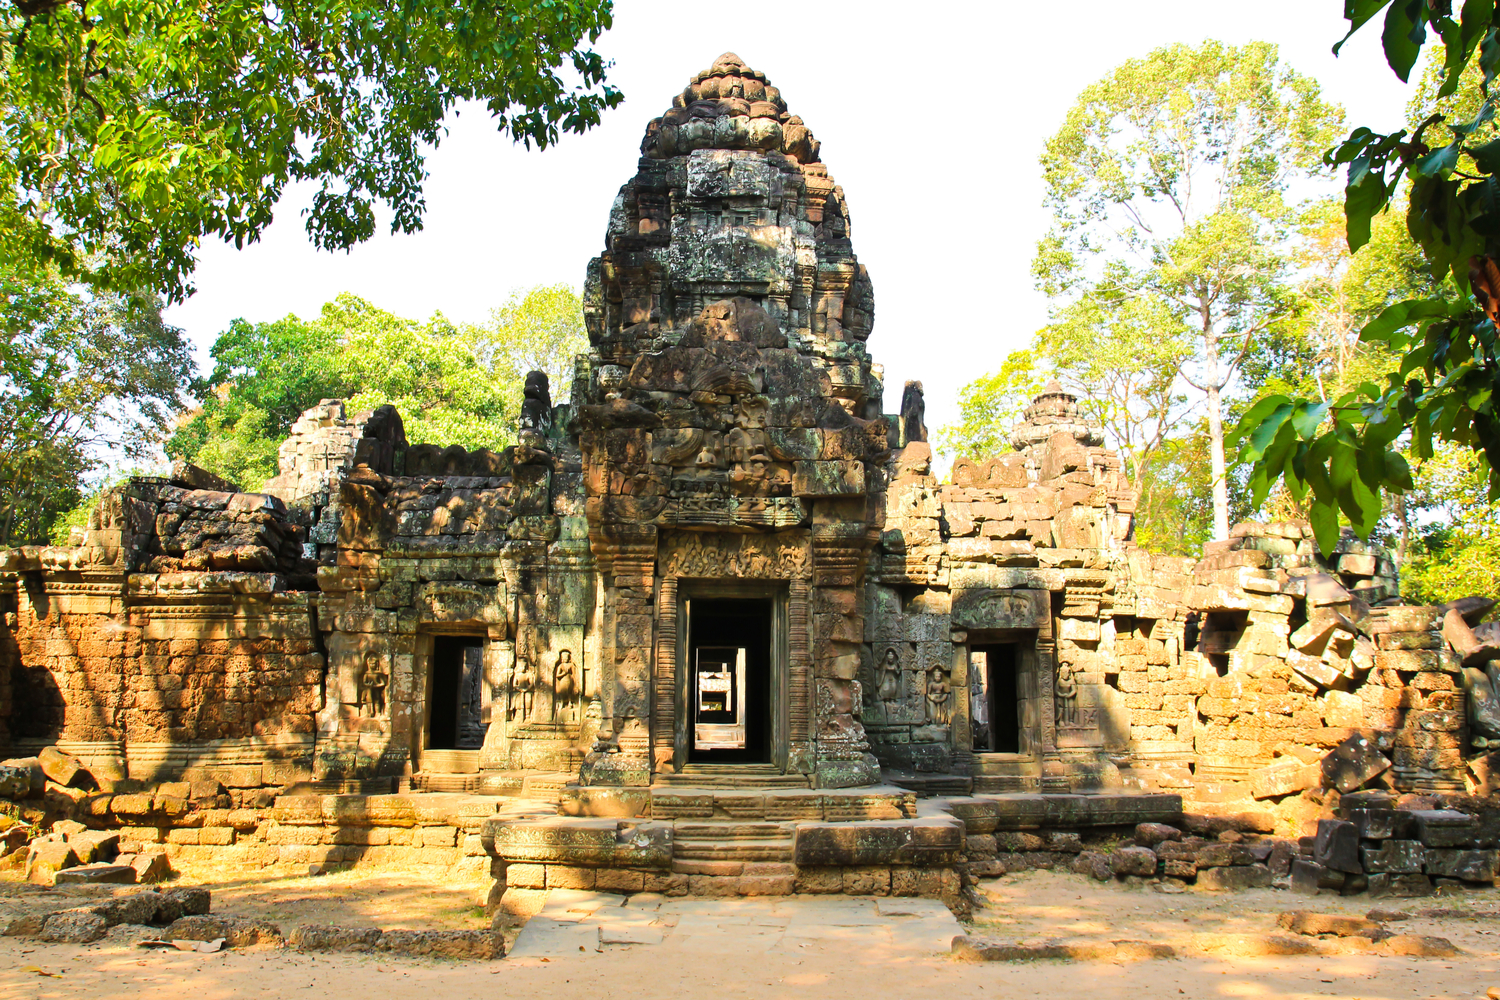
<point x="931" y="116"/>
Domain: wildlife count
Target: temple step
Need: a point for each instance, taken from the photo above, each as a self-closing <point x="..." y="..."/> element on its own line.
<point x="739" y="849"/>
<point x="992" y="784"/>
<point x="933" y="784"/>
<point x="443" y="782"/>
<point x="732" y="831"/>
<point x="450" y="761"/>
<point x="733" y="776"/>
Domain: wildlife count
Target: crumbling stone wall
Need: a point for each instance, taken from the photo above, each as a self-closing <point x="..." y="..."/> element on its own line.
<point x="153" y="676"/>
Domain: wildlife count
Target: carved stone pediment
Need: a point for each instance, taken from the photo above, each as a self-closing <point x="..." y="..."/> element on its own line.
<point x="1001" y="609"/>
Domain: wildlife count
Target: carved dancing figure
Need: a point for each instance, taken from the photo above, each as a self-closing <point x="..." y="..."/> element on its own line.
<point x="373" y="682"/>
<point x="1066" y="694"/>
<point x="938" y="693"/>
<point x="889" y="688"/>
<point x="565" y="680"/>
<point x="526" y="687"/>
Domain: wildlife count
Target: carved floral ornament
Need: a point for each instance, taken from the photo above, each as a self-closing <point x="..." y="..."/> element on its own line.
<point x="709" y="555"/>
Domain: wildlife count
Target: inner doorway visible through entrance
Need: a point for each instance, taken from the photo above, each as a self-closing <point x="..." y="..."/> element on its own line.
<point x="455" y="710"/>
<point x="729" y="680"/>
<point x="995" y="670"/>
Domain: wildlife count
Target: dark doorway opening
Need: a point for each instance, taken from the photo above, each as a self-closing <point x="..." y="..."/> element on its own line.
<point x="997" y="669"/>
<point x="455" y="706"/>
<point x="729" y="680"/>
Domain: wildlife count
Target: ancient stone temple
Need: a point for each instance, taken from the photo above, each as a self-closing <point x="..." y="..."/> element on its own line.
<point x="714" y="625"/>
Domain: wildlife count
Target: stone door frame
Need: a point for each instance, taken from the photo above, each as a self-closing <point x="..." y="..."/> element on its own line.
<point x="422" y="676"/>
<point x="1034" y="672"/>
<point x="778" y="593"/>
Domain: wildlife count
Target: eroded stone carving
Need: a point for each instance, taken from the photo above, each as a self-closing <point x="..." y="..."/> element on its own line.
<point x="373" y="681"/>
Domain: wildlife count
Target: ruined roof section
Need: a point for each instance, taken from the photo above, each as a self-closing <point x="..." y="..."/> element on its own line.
<point x="729" y="106"/>
<point x="1055" y="411"/>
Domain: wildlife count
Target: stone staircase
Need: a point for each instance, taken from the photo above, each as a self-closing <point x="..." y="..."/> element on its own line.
<point x="733" y="776"/>
<point x="546" y="786"/>
<point x="734" y="841"/>
<point x="448" y="771"/>
<point x="994" y="774"/>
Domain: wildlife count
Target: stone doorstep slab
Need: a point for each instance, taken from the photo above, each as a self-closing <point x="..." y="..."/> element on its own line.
<point x="545" y="937"/>
<point x="988" y="812"/>
<point x="570" y="917"/>
<point x="427" y="808"/>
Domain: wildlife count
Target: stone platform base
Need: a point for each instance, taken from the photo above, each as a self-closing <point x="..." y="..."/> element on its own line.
<point x="726" y="842"/>
<point x="750" y="879"/>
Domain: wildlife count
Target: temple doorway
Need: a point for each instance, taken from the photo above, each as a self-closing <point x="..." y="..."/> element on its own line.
<point x="996" y="697"/>
<point x="455" y="717"/>
<point x="729" y="695"/>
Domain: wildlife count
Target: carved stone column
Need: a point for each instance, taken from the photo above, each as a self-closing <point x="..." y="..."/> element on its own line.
<point x="624" y="756"/>
<point x="799" y="680"/>
<point x="665" y="701"/>
<point x="963" y="723"/>
<point x="839" y="549"/>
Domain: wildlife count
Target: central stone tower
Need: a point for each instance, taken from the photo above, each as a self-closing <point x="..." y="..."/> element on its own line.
<point x="733" y="451"/>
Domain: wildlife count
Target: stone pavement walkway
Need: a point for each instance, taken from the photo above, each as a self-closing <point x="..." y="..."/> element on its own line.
<point x="574" y="921"/>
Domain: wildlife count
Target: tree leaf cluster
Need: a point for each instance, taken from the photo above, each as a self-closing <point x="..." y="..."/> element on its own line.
<point x="1170" y="254"/>
<point x="132" y="130"/>
<point x="81" y="376"/>
<point x="1444" y="386"/>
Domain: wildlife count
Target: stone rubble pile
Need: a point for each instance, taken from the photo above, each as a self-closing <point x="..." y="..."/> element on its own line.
<point x="1390" y="846"/>
<point x="183" y="914"/>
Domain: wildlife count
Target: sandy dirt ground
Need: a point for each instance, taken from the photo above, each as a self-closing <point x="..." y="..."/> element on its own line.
<point x="413" y="899"/>
<point x="853" y="963"/>
<point x="1043" y="905"/>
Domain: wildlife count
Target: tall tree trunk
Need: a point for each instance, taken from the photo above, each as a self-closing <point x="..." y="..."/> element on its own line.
<point x="1215" y="429"/>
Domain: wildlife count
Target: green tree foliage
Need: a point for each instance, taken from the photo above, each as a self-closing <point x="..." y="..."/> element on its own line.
<point x="454" y="384"/>
<point x="1458" y="553"/>
<point x="1342" y="453"/>
<point x="130" y="130"/>
<point x="80" y="376"/>
<point x="990" y="406"/>
<point x="1122" y="355"/>
<point x="1175" y="513"/>
<point x="1167" y="184"/>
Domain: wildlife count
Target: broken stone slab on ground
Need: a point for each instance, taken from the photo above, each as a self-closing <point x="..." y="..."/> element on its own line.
<point x="1308" y="922"/>
<point x="96" y="874"/>
<point x="236" y="932"/>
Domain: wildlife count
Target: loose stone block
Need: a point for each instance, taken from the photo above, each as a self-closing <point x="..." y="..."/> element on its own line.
<point x="1234" y="877"/>
<point x="76" y="926"/>
<point x="1352" y="763"/>
<point x="1470" y="866"/>
<point x="1444" y="827"/>
<point x="1151" y="834"/>
<point x="1337" y="846"/>
<point x="47" y="858"/>
<point x="1133" y="861"/>
<point x="1394" y="856"/>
